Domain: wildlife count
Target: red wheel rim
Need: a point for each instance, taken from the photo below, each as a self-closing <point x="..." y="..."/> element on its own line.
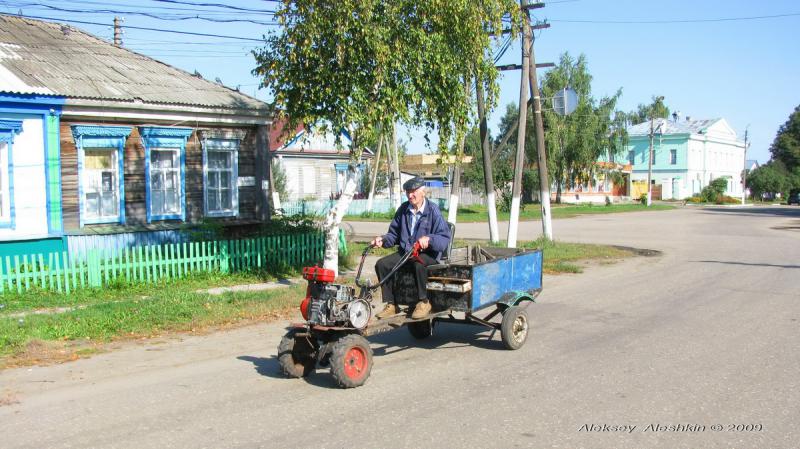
<point x="355" y="362"/>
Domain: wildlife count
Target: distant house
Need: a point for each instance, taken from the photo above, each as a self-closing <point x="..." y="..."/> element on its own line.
<point x="315" y="167"/>
<point x="103" y="147"/>
<point x="688" y="155"/>
<point x="438" y="172"/>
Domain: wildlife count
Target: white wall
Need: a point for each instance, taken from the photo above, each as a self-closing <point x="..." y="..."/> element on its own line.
<point x="30" y="198"/>
<point x="711" y="158"/>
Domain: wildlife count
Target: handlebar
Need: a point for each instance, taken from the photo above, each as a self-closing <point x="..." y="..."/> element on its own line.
<point x="413" y="253"/>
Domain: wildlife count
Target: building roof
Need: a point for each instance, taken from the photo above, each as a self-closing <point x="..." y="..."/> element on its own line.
<point x="672" y="127"/>
<point x="45" y="58"/>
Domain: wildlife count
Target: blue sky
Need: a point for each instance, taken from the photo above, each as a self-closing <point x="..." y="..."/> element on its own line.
<point x="746" y="71"/>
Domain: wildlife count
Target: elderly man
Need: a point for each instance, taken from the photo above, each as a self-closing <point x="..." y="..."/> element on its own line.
<point x="416" y="220"/>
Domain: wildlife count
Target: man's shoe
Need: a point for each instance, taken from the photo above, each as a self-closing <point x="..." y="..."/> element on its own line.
<point x="389" y="311"/>
<point x="422" y="309"/>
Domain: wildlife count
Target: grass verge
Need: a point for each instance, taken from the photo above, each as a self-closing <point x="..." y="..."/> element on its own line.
<point x="79" y="325"/>
<point x="470" y="214"/>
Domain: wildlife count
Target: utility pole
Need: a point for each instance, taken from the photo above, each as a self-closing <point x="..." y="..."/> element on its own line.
<point x="375" y="170"/>
<point x="513" y="222"/>
<point x="650" y="164"/>
<point x="744" y="170"/>
<point x="544" y="182"/>
<point x="488" y="177"/>
<point x="398" y="198"/>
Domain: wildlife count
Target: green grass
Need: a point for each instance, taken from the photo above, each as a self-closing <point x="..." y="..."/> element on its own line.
<point x="136" y="311"/>
<point x="528" y="212"/>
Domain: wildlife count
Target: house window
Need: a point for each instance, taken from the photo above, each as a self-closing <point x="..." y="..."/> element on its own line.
<point x="100" y="181"/>
<point x="8" y="129"/>
<point x="631" y="157"/>
<point x="101" y="187"/>
<point x="165" y="163"/>
<point x="673" y="157"/>
<point x="165" y="183"/>
<point x="5" y="174"/>
<point x="220" y="172"/>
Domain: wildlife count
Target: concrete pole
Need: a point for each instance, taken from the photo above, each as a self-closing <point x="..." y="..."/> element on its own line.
<point x="744" y="168"/>
<point x="650" y="165"/>
<point x="513" y="222"/>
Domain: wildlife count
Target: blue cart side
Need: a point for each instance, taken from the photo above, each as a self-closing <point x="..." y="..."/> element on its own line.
<point x="506" y="279"/>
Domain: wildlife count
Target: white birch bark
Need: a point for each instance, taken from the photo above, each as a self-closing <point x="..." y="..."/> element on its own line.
<point x="331" y="225"/>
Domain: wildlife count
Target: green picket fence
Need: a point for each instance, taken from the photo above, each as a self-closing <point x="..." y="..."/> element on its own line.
<point x="62" y="273"/>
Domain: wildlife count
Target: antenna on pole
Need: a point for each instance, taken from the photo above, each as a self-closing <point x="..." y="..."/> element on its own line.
<point x="118" y="31"/>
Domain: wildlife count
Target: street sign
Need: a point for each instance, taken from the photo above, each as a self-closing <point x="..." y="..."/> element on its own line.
<point x="565" y="101"/>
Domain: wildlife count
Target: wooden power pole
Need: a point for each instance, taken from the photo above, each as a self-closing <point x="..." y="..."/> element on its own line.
<point x="544" y="180"/>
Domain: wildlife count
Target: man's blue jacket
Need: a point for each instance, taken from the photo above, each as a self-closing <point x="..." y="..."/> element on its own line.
<point x="431" y="223"/>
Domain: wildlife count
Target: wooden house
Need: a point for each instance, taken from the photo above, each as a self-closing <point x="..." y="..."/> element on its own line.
<point x="121" y="149"/>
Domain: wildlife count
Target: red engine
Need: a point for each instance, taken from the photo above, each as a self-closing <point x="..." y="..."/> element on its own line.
<point x="330" y="304"/>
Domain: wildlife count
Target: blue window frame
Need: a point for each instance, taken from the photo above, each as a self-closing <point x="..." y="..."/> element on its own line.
<point x="220" y="173"/>
<point x="8" y="129"/>
<point x="101" y="175"/>
<point x="165" y="172"/>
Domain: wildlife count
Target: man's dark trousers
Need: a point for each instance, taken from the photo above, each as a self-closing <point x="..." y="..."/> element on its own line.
<point x="385" y="265"/>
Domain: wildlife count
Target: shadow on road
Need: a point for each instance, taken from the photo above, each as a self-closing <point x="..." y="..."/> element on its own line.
<point x="445" y="336"/>
<point x="777" y="211"/>
<point x="746" y="264"/>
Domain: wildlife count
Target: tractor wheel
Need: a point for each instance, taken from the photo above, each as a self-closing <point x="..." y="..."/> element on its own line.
<point x="296" y="355"/>
<point x="351" y="361"/>
<point x="420" y="329"/>
<point x="514" y="327"/>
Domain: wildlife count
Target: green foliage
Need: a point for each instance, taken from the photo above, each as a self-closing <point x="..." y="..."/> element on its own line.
<point x="576" y="141"/>
<point x="279" y="180"/>
<point x="786" y="146"/>
<point x="714" y="191"/>
<point x="358" y="64"/>
<point x="643" y="198"/>
<point x="381" y="180"/>
<point x="644" y="112"/>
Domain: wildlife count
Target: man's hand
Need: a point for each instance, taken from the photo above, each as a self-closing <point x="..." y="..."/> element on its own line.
<point x="377" y="241"/>
<point x="424" y="242"/>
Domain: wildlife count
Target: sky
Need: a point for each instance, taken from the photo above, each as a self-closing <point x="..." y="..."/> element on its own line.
<point x="733" y="59"/>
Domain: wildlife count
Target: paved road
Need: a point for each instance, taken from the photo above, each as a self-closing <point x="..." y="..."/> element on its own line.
<point x="704" y="335"/>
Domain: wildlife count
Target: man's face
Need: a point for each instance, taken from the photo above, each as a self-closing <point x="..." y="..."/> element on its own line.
<point x="416" y="197"/>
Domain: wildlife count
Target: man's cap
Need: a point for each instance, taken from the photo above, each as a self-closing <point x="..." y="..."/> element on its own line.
<point x="413" y="183"/>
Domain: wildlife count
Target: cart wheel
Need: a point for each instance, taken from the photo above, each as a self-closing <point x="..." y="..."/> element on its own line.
<point x="420" y="329"/>
<point x="351" y="361"/>
<point x="514" y="327"/>
<point x="296" y="355"/>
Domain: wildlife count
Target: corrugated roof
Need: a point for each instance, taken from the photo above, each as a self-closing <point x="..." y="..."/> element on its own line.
<point x="39" y="57"/>
<point x="671" y="127"/>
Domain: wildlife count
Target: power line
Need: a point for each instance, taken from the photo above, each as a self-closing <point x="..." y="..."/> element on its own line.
<point x="189" y="33"/>
<point x="146" y="14"/>
<point x="213" y="5"/>
<point x="650" y="22"/>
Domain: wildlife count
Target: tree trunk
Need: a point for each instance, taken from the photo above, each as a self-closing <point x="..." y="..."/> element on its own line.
<point x="375" y="173"/>
<point x="331" y="225"/>
<point x="488" y="177"/>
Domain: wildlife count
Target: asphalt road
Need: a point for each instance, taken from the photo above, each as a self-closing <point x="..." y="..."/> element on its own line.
<point x="704" y="335"/>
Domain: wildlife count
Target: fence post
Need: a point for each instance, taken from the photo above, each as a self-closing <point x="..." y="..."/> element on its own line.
<point x="93" y="261"/>
<point x="224" y="258"/>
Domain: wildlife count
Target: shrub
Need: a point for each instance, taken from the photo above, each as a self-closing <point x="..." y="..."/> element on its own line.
<point x="643" y="198"/>
<point x="694" y="200"/>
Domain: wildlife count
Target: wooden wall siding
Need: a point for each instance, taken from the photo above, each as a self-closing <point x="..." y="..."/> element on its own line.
<point x="135" y="189"/>
<point x="69" y="178"/>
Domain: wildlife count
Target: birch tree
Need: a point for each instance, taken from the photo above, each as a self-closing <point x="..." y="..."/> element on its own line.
<point x="364" y="65"/>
